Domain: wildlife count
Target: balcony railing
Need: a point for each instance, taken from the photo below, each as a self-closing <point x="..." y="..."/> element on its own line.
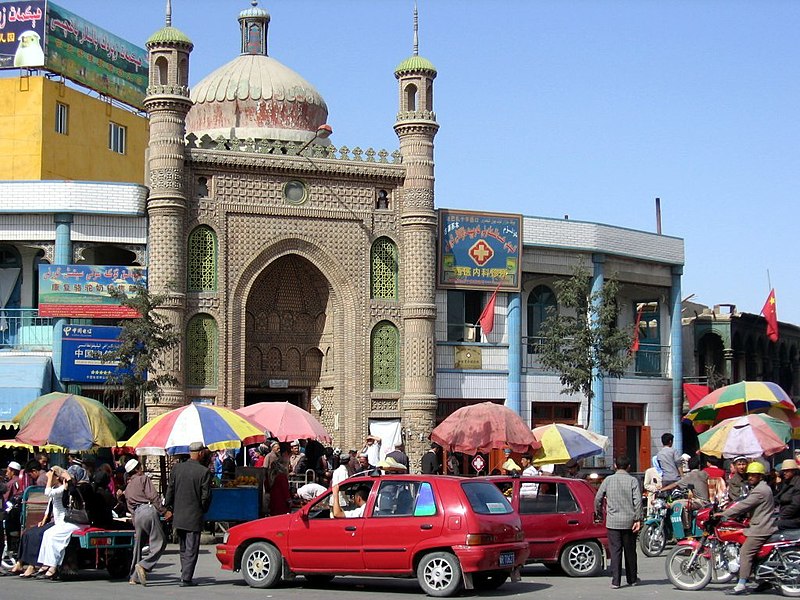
<point x="23" y="329"/>
<point x="648" y="361"/>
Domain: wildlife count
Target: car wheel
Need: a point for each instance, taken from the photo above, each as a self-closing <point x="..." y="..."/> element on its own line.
<point x="489" y="580"/>
<point x="439" y="574"/>
<point x="318" y="579"/>
<point x="261" y="565"/>
<point x="582" y="559"/>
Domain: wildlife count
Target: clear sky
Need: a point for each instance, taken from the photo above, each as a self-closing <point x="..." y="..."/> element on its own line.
<point x="589" y="108"/>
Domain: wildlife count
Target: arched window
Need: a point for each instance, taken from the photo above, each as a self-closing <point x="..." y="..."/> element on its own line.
<point x="161" y="70"/>
<point x="201" y="351"/>
<point x="539" y="300"/>
<point x="384" y="269"/>
<point x="385" y="345"/>
<point x="411" y="97"/>
<point x="202" y="260"/>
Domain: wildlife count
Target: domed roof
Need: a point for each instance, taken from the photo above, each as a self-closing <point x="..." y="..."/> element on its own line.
<point x="254" y="95"/>
<point x="414" y="63"/>
<point x="168" y="35"/>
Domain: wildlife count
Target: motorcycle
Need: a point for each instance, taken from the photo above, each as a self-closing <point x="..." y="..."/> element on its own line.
<point x="694" y="563"/>
<point x="664" y="522"/>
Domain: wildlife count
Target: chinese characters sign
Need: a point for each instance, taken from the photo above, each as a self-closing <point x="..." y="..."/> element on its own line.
<point x="83" y="351"/>
<point x="479" y="250"/>
<point x="82" y="291"/>
<point x="37" y="33"/>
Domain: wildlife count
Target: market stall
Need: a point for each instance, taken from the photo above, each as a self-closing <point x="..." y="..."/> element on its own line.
<point x="239" y="499"/>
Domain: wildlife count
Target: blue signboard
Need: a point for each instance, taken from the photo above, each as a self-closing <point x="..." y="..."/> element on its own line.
<point x="480" y="250"/>
<point x="83" y="348"/>
<point x="22" y="34"/>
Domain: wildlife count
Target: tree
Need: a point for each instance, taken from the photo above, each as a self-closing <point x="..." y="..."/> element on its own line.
<point x="584" y="338"/>
<point x="144" y="344"/>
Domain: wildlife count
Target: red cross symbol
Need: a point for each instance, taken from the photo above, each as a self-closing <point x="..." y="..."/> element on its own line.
<point x="481" y="252"/>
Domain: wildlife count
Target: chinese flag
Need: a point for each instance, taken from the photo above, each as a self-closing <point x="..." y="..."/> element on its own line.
<point x="635" y="342"/>
<point x="486" y="320"/>
<point x="770" y="313"/>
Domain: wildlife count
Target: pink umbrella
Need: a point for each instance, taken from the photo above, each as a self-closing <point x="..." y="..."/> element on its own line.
<point x="482" y="427"/>
<point x="286" y="421"/>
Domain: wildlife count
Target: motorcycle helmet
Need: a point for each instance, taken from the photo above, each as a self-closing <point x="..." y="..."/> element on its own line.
<point x="756" y="467"/>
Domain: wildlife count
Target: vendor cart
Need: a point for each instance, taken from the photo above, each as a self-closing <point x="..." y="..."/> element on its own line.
<point x="238" y="500"/>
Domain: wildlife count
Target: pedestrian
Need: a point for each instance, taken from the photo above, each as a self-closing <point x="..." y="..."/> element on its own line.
<point x="623" y="500"/>
<point x="189" y="491"/>
<point x="737" y="482"/>
<point x="670" y="460"/>
<point x="399" y="455"/>
<point x="146" y="509"/>
<point x="788" y="496"/>
<point x="431" y="464"/>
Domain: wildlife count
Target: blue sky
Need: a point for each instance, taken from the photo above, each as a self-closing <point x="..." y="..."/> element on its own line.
<point x="589" y="108"/>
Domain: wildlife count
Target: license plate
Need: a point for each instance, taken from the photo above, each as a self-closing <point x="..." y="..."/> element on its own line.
<point x="506" y="559"/>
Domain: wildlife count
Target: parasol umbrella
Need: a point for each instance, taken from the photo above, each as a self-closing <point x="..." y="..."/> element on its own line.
<point x="217" y="427"/>
<point x="68" y="420"/>
<point x="562" y="443"/>
<point x="286" y="421"/>
<point x="750" y="435"/>
<point x="482" y="427"/>
<point x="737" y="399"/>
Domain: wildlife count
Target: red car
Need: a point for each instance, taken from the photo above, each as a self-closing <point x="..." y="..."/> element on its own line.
<point x="557" y="516"/>
<point x="449" y="532"/>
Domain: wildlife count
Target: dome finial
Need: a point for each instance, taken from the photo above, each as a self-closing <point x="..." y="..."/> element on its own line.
<point x="416" y="30"/>
<point x="168" y="19"/>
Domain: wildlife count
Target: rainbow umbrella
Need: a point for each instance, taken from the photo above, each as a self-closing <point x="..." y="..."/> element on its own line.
<point x="562" y="443"/>
<point x="737" y="399"/>
<point x="68" y="420"/>
<point x="217" y="427"/>
<point x="750" y="435"/>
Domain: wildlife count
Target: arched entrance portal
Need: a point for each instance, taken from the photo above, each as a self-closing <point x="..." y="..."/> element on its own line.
<point x="289" y="333"/>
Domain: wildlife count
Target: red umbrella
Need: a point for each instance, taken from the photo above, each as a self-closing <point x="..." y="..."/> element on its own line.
<point x="286" y="421"/>
<point x="483" y="427"/>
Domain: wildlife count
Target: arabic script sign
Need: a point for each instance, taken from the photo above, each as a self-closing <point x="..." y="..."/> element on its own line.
<point x="479" y="250"/>
<point x="82" y="291"/>
<point x="42" y="34"/>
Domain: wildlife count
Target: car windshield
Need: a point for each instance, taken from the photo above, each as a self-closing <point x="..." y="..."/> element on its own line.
<point x="485" y="498"/>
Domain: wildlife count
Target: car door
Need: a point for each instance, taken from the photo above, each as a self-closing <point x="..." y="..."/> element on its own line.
<point x="406" y="515"/>
<point x="320" y="543"/>
<point x="548" y="516"/>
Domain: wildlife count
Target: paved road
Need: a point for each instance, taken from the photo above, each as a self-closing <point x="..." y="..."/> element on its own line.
<point x="536" y="583"/>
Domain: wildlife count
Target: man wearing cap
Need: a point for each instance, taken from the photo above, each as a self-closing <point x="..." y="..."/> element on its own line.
<point x="398" y="454"/>
<point x="12" y="497"/>
<point x="309" y="491"/>
<point x="189" y="491"/>
<point x="737" y="483"/>
<point x="297" y="460"/>
<point x="146" y="509"/>
<point x="760" y="504"/>
<point x="372" y="448"/>
<point x="788" y="496"/>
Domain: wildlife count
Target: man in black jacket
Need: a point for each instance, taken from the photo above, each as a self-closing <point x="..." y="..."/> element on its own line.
<point x="189" y="492"/>
<point x="431" y="465"/>
<point x="788" y="496"/>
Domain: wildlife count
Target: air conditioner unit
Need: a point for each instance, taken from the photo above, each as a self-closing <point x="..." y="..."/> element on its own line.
<point x="469" y="333"/>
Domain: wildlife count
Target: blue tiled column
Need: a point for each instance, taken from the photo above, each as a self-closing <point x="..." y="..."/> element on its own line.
<point x="61" y="256"/>
<point x="676" y="355"/>
<point x="514" y="324"/>
<point x="597" y="419"/>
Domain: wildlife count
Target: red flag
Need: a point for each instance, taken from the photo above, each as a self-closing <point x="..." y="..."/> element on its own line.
<point x="770" y="313"/>
<point x="635" y="342"/>
<point x="486" y="320"/>
<point x="695" y="392"/>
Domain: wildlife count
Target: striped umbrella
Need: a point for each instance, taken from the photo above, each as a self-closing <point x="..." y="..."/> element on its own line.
<point x="562" y="443"/>
<point x="743" y="398"/>
<point x="750" y="435"/>
<point x="217" y="427"/>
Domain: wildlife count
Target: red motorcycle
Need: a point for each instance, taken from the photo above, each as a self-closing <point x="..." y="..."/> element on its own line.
<point x="693" y="563"/>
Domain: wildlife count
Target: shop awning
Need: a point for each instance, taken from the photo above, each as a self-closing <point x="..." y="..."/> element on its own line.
<point x="22" y="379"/>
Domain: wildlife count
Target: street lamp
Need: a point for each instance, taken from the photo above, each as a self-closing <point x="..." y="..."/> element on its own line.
<point x="323" y="132"/>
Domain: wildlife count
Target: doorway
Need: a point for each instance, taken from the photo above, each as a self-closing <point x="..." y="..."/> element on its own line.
<point x="296" y="397"/>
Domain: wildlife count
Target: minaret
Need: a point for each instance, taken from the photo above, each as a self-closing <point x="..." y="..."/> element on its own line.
<point x="167" y="103"/>
<point x="416" y="127"/>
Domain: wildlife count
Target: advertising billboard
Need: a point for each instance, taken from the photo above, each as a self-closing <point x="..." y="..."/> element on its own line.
<point x="38" y="33"/>
<point x="83" y="352"/>
<point x="479" y="250"/>
<point x="82" y="291"/>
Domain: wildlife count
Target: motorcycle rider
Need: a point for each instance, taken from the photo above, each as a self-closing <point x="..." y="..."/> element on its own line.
<point x="737" y="483"/>
<point x="788" y="496"/>
<point x="760" y="504"/>
<point x="697" y="482"/>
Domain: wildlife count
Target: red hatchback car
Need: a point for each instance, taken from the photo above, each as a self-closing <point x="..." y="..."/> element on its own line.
<point x="449" y="532"/>
<point x="557" y="516"/>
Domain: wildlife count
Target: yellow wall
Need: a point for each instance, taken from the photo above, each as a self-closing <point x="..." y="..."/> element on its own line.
<point x="30" y="148"/>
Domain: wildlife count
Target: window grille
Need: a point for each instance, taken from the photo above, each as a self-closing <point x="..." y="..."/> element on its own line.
<point x="202" y="260"/>
<point x="384" y="269"/>
<point x="385" y="357"/>
<point x="201" y="351"/>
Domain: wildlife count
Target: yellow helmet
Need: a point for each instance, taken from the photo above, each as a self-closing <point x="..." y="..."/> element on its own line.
<point x="756" y="467"/>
